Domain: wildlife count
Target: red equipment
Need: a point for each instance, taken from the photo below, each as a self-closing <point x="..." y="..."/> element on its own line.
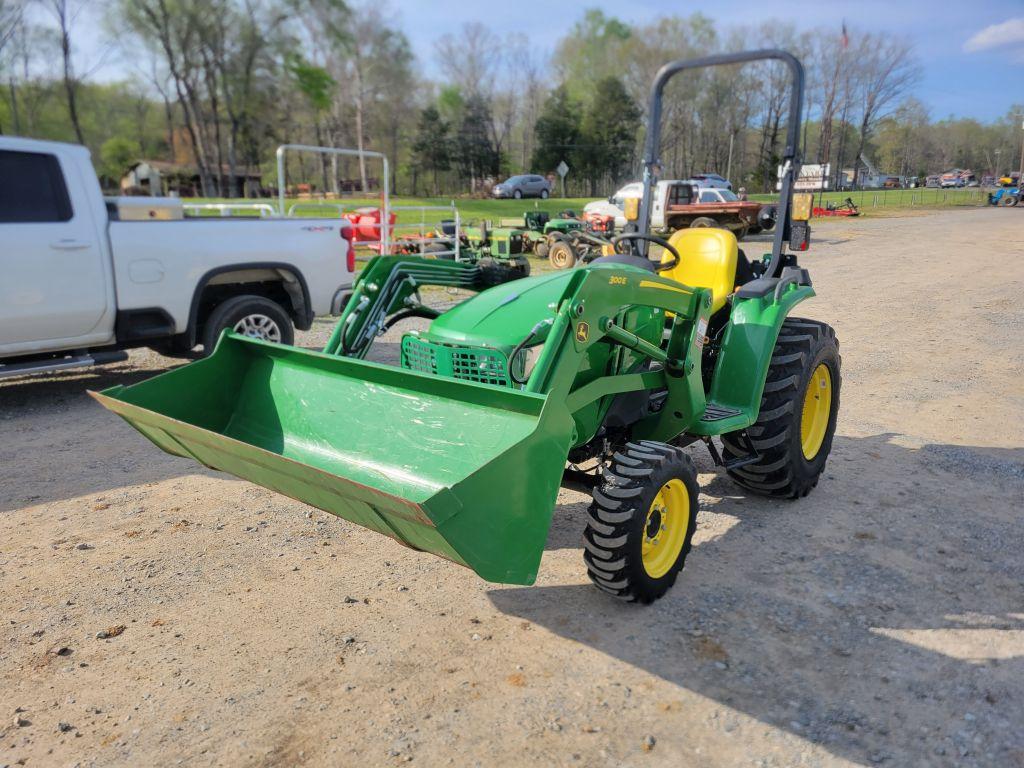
<point x="845" y="208"/>
<point x="366" y="223"/>
<point x="599" y="223"/>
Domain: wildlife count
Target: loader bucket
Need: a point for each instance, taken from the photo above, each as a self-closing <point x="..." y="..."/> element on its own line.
<point x="466" y="471"/>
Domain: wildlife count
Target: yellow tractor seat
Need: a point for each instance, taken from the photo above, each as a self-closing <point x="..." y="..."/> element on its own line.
<point x="707" y="259"/>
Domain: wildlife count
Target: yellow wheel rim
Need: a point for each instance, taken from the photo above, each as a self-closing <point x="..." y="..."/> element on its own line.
<point x="668" y="520"/>
<point x="816" y="411"/>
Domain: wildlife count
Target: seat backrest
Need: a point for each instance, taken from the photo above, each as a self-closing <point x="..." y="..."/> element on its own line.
<point x="707" y="259"/>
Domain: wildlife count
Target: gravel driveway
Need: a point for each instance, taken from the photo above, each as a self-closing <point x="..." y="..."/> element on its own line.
<point x="155" y="613"/>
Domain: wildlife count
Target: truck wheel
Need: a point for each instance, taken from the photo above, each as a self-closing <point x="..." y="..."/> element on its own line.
<point x="703" y="221"/>
<point x="253" y="316"/>
<point x="561" y="255"/>
<point x="641" y="522"/>
<point x="794" y="429"/>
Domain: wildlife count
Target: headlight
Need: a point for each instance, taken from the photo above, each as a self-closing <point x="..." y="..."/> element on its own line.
<point x="523" y="364"/>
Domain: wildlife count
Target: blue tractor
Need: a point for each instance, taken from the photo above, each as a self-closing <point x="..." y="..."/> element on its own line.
<point x="1007" y="196"/>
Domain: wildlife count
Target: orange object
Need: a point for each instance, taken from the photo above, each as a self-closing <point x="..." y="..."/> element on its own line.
<point x="366" y="223"/>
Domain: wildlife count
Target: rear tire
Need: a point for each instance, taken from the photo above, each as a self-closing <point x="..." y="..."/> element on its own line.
<point x="641" y="522"/>
<point x="255" y="316"/>
<point x="795" y="426"/>
<point x="543" y="194"/>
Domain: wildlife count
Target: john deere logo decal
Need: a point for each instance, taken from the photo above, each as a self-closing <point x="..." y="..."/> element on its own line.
<point x="582" y="331"/>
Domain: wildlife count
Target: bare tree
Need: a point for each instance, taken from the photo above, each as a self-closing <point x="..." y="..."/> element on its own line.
<point x="887" y="70"/>
<point x="65" y="15"/>
<point x="11" y="22"/>
<point x="11" y="14"/>
<point x="470" y="59"/>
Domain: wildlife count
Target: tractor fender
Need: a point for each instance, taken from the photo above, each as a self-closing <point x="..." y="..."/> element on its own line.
<point x="746" y="352"/>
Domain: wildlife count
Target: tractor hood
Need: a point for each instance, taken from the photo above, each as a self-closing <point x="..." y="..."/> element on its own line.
<point x="501" y="316"/>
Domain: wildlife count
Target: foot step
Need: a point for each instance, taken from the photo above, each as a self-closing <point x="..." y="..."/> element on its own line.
<point x="715" y="412"/>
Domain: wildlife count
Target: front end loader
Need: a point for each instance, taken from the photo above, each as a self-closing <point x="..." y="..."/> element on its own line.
<point x="596" y="377"/>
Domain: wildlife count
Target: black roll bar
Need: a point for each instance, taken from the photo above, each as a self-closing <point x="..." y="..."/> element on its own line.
<point x="790" y="156"/>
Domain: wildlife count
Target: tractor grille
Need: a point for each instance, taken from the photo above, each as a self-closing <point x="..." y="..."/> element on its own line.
<point x="485" y="366"/>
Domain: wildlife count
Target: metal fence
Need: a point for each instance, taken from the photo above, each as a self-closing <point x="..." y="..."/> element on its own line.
<point x="922" y="197"/>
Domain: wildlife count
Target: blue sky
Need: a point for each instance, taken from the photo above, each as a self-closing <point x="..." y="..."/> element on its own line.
<point x="981" y="79"/>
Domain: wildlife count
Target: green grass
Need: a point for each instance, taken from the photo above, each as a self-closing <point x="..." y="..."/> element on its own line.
<point x="473" y="210"/>
<point x="895" y="199"/>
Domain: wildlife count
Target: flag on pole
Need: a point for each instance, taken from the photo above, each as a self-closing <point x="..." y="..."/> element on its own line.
<point x="845" y="39"/>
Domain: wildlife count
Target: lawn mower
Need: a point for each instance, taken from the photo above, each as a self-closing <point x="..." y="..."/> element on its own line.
<point x="489" y="247"/>
<point x="845" y="208"/>
<point x="595" y="377"/>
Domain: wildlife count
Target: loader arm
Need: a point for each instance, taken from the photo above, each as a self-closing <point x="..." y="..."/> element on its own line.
<point x="388" y="290"/>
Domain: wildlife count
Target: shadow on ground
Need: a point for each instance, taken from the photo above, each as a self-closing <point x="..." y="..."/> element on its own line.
<point x="58" y="443"/>
<point x="899" y="555"/>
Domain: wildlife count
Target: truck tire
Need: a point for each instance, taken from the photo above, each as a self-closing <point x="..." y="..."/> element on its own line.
<point x="797" y="420"/>
<point x="254" y="316"/>
<point x="641" y="522"/>
<point x="561" y="255"/>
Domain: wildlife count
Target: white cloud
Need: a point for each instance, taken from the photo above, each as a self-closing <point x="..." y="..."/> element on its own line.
<point x="997" y="35"/>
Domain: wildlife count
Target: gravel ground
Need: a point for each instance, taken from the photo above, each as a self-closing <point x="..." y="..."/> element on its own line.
<point x="155" y="613"/>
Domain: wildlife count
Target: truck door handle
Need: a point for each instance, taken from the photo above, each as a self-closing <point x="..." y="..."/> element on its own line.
<point x="70" y="245"/>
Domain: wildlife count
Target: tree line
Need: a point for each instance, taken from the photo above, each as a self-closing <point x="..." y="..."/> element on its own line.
<point x="216" y="85"/>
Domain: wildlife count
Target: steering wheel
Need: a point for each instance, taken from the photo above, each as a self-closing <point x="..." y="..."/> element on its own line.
<point x="630" y="236"/>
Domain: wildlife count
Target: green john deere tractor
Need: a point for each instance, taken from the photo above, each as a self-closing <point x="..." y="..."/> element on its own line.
<point x="596" y="376"/>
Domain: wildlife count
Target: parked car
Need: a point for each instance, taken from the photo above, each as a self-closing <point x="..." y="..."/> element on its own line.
<point x="712" y="180"/>
<point x="524" y="185"/>
<point x="86" y="277"/>
<point x="952" y="179"/>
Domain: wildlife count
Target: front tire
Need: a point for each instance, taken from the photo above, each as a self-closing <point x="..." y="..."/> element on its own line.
<point x="641" y="522"/>
<point x="543" y="194"/>
<point x="797" y="420"/>
<point x="253" y="316"/>
<point x="1008" y="201"/>
<point x="518" y="195"/>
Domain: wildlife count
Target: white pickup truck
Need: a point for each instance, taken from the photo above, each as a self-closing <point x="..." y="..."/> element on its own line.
<point x="84" y="278"/>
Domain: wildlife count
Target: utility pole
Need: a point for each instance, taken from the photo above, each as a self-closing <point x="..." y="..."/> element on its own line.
<point x="1020" y="177"/>
<point x="728" y="167"/>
